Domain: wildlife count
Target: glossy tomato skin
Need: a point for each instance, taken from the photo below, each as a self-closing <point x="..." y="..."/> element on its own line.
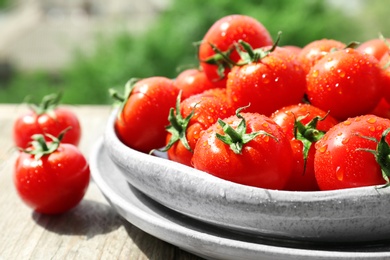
<point x="192" y="82"/>
<point x="375" y="47"/>
<point x="207" y="110"/>
<point x="265" y="162"/>
<point x="275" y="81"/>
<point x="302" y="178"/>
<point x="141" y="123"/>
<point x="316" y="50"/>
<point x="55" y="183"/>
<point x="384" y="65"/>
<point x="346" y="82"/>
<point x="286" y="116"/>
<point x="53" y="123"/>
<point x="226" y="32"/>
<point x="340" y="163"/>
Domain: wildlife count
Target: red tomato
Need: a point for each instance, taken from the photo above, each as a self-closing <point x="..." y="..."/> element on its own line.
<point x="194" y="115"/>
<point x="343" y="159"/>
<point x="382" y="109"/>
<point x="385" y="66"/>
<point x="46" y="118"/>
<point x="265" y="157"/>
<point x="303" y="125"/>
<point x="52" y="177"/>
<point x="375" y="47"/>
<point x="192" y="82"/>
<point x="144" y="115"/>
<point x="316" y="50"/>
<point x="268" y="83"/>
<point x="346" y="82"/>
<point x="223" y="34"/>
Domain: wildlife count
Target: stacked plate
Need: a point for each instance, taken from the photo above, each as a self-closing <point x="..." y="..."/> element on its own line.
<point x="218" y="219"/>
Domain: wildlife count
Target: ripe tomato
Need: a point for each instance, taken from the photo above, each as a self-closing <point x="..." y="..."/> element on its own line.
<point x="144" y="113"/>
<point x="51" y="177"/>
<point x="303" y="125"/>
<point x="344" y="156"/>
<point x="384" y="63"/>
<point x="256" y="152"/>
<point x="375" y="47"/>
<point x="222" y="35"/>
<point x="46" y="118"/>
<point x="346" y="82"/>
<point x="267" y="84"/>
<point x="316" y="50"/>
<point x="192" y="82"/>
<point x="192" y="116"/>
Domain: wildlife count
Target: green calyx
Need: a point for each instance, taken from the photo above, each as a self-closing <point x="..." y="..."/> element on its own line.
<point x="39" y="147"/>
<point x="250" y="55"/>
<point x="307" y="134"/>
<point x="47" y="105"/>
<point x="121" y="99"/>
<point x="221" y="59"/>
<point x="237" y="138"/>
<point x="382" y="155"/>
<point x="178" y="126"/>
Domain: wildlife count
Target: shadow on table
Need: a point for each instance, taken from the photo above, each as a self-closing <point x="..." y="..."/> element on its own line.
<point x="89" y="218"/>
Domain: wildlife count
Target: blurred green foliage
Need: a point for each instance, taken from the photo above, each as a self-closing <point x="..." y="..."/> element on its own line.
<point x="169" y="45"/>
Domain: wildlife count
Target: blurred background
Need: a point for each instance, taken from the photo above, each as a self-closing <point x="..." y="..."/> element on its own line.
<point x="85" y="47"/>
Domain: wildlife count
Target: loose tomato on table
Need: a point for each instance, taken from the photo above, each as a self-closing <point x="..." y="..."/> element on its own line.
<point x="51" y="177"/>
<point x="345" y="82"/>
<point x="267" y="79"/>
<point x="191" y="117"/>
<point x="303" y="125"/>
<point x="48" y="117"/>
<point x="247" y="148"/>
<point x="144" y="110"/>
<point x="354" y="153"/>
<point x="222" y="36"/>
<point x="192" y="82"/>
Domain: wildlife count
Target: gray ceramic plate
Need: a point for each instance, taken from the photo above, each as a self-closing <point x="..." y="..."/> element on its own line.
<point x="350" y="215"/>
<point x="206" y="240"/>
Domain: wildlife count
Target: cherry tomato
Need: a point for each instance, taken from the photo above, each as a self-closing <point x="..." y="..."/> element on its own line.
<point x="222" y="36"/>
<point x="247" y="148"/>
<point x="46" y="118"/>
<point x="192" y="116"/>
<point x="348" y="155"/>
<point x="268" y="83"/>
<point x="345" y="82"/>
<point x="144" y="112"/>
<point x="192" y="82"/>
<point x="51" y="177"/>
<point x="303" y="125"/>
<point x="375" y="47"/>
<point x="316" y="50"/>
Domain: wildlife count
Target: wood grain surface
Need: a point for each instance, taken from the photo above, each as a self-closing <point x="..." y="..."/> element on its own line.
<point x="92" y="230"/>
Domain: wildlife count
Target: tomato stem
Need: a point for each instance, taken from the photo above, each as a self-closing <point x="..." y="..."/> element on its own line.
<point x="48" y="104"/>
<point x="178" y="126"/>
<point x="236" y="138"/>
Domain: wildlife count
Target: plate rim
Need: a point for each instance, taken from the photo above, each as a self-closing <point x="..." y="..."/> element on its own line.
<point x="274" y="252"/>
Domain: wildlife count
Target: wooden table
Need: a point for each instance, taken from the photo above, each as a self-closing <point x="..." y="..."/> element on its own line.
<point x="93" y="230"/>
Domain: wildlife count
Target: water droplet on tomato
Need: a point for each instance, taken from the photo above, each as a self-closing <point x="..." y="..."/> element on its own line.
<point x="345" y="141"/>
<point x="372" y="128"/>
<point x="266" y="138"/>
<point x="339" y="173"/>
<point x="265" y="78"/>
<point x="315" y="73"/>
<point x="341" y="73"/>
<point x="371" y="120"/>
<point x="323" y="149"/>
<point x="347" y="122"/>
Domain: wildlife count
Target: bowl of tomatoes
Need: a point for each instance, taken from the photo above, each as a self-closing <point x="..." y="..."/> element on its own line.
<point x="263" y="140"/>
<point x="345" y="215"/>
